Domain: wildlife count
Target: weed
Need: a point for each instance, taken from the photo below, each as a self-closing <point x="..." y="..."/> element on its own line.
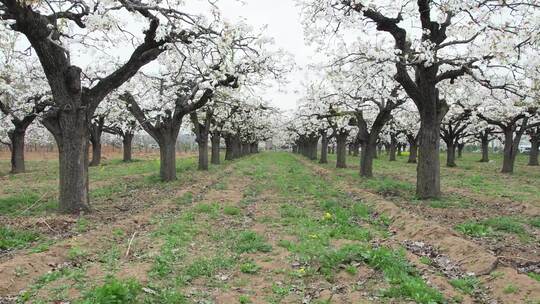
<point x="76" y="253"/>
<point x="231" y="210"/>
<point x="474" y="229"/>
<point x="250" y="268"/>
<point x="243" y="299"/>
<point x="510" y="288"/>
<point x="185" y="199"/>
<point x="466" y="285"/>
<point x="114" y="291"/>
<point x="251" y="242"/>
<point x="534" y="275"/>
<point x="15" y="239"/>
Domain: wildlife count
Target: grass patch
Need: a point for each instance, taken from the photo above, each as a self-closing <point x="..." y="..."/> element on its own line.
<point x="16" y="239"/>
<point x="488" y="227"/>
<point x="114" y="291"/>
<point x="250" y="242"/>
<point x="231" y="210"/>
<point x="466" y="285"/>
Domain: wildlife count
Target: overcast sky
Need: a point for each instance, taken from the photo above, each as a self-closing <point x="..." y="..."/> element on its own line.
<point x="283" y="20"/>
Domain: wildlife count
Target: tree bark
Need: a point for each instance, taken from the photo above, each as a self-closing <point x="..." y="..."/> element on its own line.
<point x="392" y="151"/>
<point x="533" y="156"/>
<point x="428" y="181"/>
<point x="17" y="150"/>
<point x="324" y="148"/>
<point x="510" y="150"/>
<point x="341" y="150"/>
<point x="369" y="150"/>
<point x="485" y="148"/>
<point x="215" y="139"/>
<point x="96" y="130"/>
<point x="203" y="154"/>
<point x="450" y="155"/>
<point x="167" y="157"/>
<point x="228" y="147"/>
<point x="127" y="140"/>
<point x="70" y="129"/>
<point x="460" y="148"/>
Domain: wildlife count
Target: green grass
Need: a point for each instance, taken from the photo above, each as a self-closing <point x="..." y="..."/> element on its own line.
<point x="337" y="216"/>
<point x="15" y="239"/>
<point x="488" y="227"/>
<point x="249" y="268"/>
<point x="466" y="285"/>
<point x="250" y="242"/>
<point x="114" y="291"/>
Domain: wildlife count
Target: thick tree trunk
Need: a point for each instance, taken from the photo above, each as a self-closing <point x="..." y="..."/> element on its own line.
<point x="356" y="149"/>
<point x="167" y="157"/>
<point x="533" y="156"/>
<point x="460" y="148"/>
<point x="215" y="139"/>
<point x="313" y="149"/>
<point x="413" y="153"/>
<point x="17" y="150"/>
<point x="366" y="159"/>
<point x="341" y="151"/>
<point x="485" y="149"/>
<point x="203" y="153"/>
<point x="450" y="155"/>
<point x="127" y="141"/>
<point x="71" y="132"/>
<point x="510" y="151"/>
<point x="228" y="147"/>
<point x="96" y="130"/>
<point x="96" y="152"/>
<point x="428" y="182"/>
<point x="392" y="150"/>
<point x="324" y="149"/>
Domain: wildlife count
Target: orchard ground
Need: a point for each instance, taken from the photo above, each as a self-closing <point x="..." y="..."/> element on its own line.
<point x="272" y="228"/>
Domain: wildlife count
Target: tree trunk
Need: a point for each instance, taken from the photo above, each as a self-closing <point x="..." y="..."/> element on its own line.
<point x="450" y="155"/>
<point x="167" y="157"/>
<point x="510" y="151"/>
<point x="341" y="150"/>
<point x="460" y="148"/>
<point x="203" y="153"/>
<point x="392" y="150"/>
<point x="399" y="149"/>
<point x="71" y="132"/>
<point x="428" y="180"/>
<point x="413" y="153"/>
<point x="127" y="144"/>
<point x="485" y="149"/>
<point x="228" y="147"/>
<point x="366" y="159"/>
<point x="96" y="152"/>
<point x="17" y="150"/>
<point x="533" y="156"/>
<point x="356" y="149"/>
<point x="324" y="149"/>
<point x="215" y="139"/>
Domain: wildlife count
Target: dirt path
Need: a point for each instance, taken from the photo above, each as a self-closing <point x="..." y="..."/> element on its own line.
<point x="471" y="257"/>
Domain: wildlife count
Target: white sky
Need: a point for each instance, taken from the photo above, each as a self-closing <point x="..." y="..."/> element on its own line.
<point x="282" y="18"/>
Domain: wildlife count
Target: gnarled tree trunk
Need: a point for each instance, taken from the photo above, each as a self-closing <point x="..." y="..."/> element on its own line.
<point x="70" y="129"/>
<point x="16" y="137"/>
<point x="215" y="139"/>
<point x="96" y="130"/>
<point x="369" y="150"/>
<point x="127" y="141"/>
<point x="533" y="156"/>
<point x="341" y="150"/>
<point x="450" y="154"/>
<point x="485" y="148"/>
<point x="428" y="181"/>
<point x="324" y="148"/>
<point x="167" y="158"/>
